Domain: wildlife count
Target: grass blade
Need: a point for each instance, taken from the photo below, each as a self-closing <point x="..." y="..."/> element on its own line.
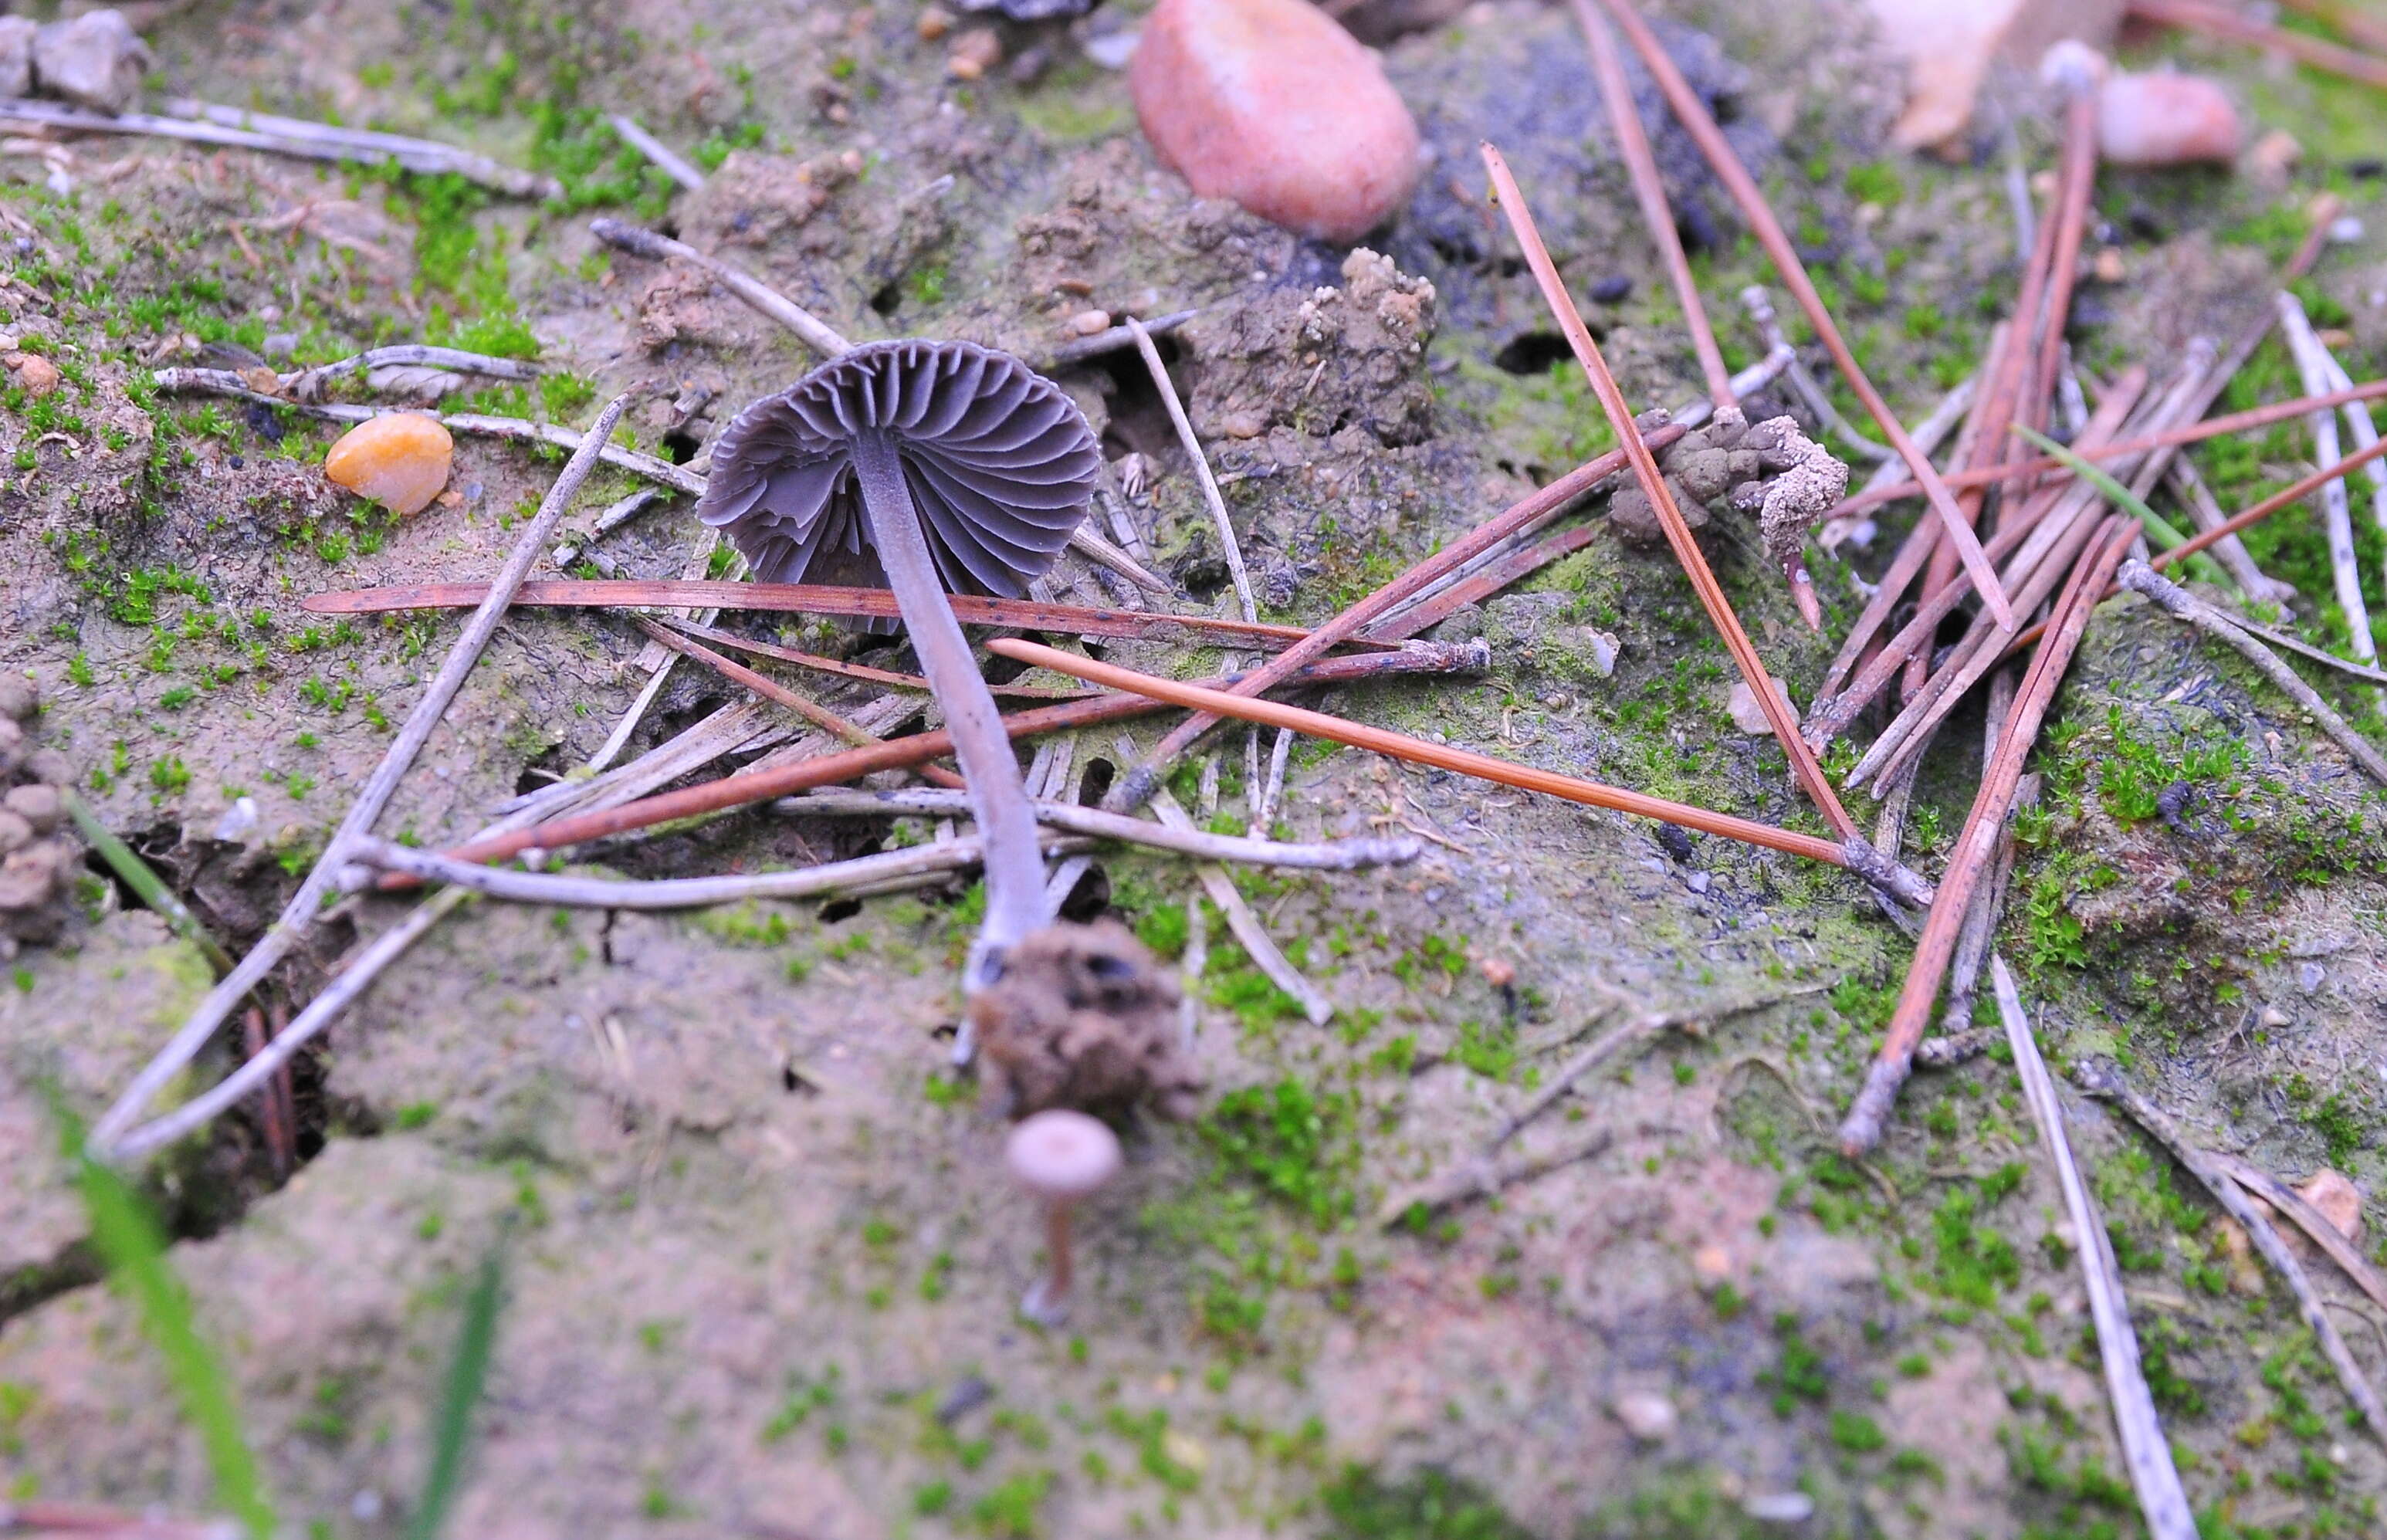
<point x="468" y="1372"/>
<point x="130" y="1243"/>
<point x="147" y="885"/>
<point x="2159" y="529"/>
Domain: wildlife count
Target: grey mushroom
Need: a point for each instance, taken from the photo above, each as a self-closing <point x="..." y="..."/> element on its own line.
<point x="1061" y="1157"/>
<point x="938" y="467"/>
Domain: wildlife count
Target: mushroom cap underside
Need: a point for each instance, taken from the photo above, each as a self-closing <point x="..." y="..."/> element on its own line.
<point x="999" y="462"/>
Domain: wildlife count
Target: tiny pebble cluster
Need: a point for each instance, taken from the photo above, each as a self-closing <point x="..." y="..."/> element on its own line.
<point x="38" y="857"/>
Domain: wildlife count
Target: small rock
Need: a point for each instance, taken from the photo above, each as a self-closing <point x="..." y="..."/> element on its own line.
<point x="1087" y="323"/>
<point x="1698" y="882"/>
<point x="17" y="55"/>
<point x="1243" y="425"/>
<point x="1748" y="715"/>
<point x="2166" y="121"/>
<point x="1613" y="290"/>
<point x="95" y="60"/>
<point x="974" y="53"/>
<point x="1272" y="104"/>
<point x="18" y="698"/>
<point x="42" y="807"/>
<point x="2338" y="1199"/>
<point x="2272" y="1018"/>
<point x="12" y="747"/>
<point x="15" y="832"/>
<point x="2109" y="267"/>
<point x="2274" y="155"/>
<point x="1711" y="1265"/>
<point x="400" y="460"/>
<point x="935" y="22"/>
<point x="2308" y="977"/>
<point x="37" y="375"/>
<point x="1779" y="1508"/>
<point x="1649" y="1417"/>
<point x="1499" y="972"/>
<point x="238" y="823"/>
<point x="1112" y="50"/>
<point x="968" y="1393"/>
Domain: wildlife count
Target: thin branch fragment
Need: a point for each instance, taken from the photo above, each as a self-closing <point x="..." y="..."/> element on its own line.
<point x="2222" y="23"/>
<point x="666" y="159"/>
<point x="2145" y="1453"/>
<point x="2101" y="1080"/>
<point x="2181" y="605"/>
<point x="2262" y="1184"/>
<point x="298" y="916"/>
<point x="814" y="333"/>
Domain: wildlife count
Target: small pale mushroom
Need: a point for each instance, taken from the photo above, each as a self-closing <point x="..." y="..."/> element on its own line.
<point x="1061" y="1157"/>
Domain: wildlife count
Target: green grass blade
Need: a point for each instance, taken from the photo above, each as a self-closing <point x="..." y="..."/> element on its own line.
<point x="2159" y="529"/>
<point x="468" y="1372"/>
<point x="139" y="876"/>
<point x="134" y="1249"/>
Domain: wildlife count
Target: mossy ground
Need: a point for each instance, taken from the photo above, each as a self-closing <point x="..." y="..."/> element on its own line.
<point x="764" y="1265"/>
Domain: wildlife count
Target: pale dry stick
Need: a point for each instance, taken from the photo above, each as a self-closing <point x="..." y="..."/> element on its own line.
<point x="1860" y="1130"/>
<point x="657" y="660"/>
<point x="299" y="915"/>
<point x="1950" y="410"/>
<point x="1483" y="1178"/>
<point x="1854" y="855"/>
<point x="1803" y="765"/>
<point x="2181" y="605"/>
<point x="2337" y="514"/>
<point x="1245" y="924"/>
<point x="1981" y="918"/>
<point x="346" y="985"/>
<point x="1278" y="757"/>
<point x="2304" y="649"/>
<point x="1649" y="191"/>
<point x="2128" y="448"/>
<point x="1695" y="117"/>
<point x="2262" y="1184"/>
<point x="1189" y="966"/>
<point x="1760" y="306"/>
<point x="232" y="127"/>
<point x="2205" y="512"/>
<point x="518" y="429"/>
<point x="2287" y="497"/>
<point x="1330" y="855"/>
<point x="2361" y="429"/>
<point x="1564" y="1077"/>
<point x="2145" y="1453"/>
<point x="810" y="329"/>
<point x="666" y="160"/>
<point x="2101" y="1080"/>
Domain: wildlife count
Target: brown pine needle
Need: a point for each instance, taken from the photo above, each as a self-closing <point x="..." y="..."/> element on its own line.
<point x="815" y="598"/>
<point x="2220" y="21"/>
<point x="1976" y="845"/>
<point x="903" y="754"/>
<point x="1694" y="116"/>
<point x="2270" y="505"/>
<point x="1649" y="191"/>
<point x="1645" y="466"/>
<point x="1855" y="855"/>
<point x="2191" y="433"/>
<point x="769" y="689"/>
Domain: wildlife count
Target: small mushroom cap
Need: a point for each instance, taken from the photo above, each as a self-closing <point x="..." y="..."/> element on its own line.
<point x="1062" y="1154"/>
<point x="999" y="464"/>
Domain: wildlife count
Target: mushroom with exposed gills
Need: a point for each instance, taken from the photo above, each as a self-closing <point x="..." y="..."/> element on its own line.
<point x="940" y="467"/>
<point x="1061" y="1156"/>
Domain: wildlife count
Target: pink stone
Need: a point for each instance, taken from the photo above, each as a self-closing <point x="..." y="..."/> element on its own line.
<point x="2166" y="121"/>
<point x="1272" y="104"/>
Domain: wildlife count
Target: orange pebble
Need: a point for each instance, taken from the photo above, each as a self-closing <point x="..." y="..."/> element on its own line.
<point x="400" y="461"/>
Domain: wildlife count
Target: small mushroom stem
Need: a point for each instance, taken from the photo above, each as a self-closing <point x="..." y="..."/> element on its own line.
<point x="1006" y="821"/>
<point x="1048" y="1300"/>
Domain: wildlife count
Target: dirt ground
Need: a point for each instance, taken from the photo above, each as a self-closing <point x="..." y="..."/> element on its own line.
<point x="762" y="1262"/>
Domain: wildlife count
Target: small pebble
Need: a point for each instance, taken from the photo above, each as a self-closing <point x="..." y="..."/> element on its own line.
<point x="2338" y="1199"/>
<point x="15" y="832"/>
<point x="1499" y="972"/>
<point x="1748" y="715"/>
<point x="1650" y="1417"/>
<point x="1244" y="424"/>
<point x="18" y="698"/>
<point x="974" y="53"/>
<point x="2109" y="267"/>
<point x="238" y="823"/>
<point x="2274" y="155"/>
<point x="1087" y="323"/>
<point x="1272" y="104"/>
<point x="400" y="461"/>
<point x="1711" y="1265"/>
<point x="1613" y="290"/>
<point x="37" y="375"/>
<point x="2308" y="977"/>
<point x="2167" y="121"/>
<point x="934" y="23"/>
<point x="95" y="60"/>
<point x="1779" y="1508"/>
<point x="41" y="806"/>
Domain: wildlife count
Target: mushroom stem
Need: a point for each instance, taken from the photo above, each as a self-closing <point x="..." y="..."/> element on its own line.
<point x="1006" y="821"/>
<point x="1048" y="1300"/>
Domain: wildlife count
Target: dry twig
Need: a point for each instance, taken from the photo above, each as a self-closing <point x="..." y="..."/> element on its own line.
<point x="666" y="159"/>
<point x="298" y="916"/>
<point x="2145" y="1453"/>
